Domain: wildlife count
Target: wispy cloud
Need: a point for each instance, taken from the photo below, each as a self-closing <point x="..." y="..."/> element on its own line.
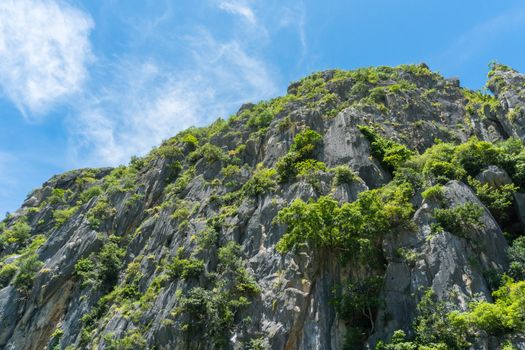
<point x="133" y="102"/>
<point x="294" y="16"/>
<point x="150" y="101"/>
<point x="44" y="49"/>
<point x="240" y="8"/>
<point x="147" y="100"/>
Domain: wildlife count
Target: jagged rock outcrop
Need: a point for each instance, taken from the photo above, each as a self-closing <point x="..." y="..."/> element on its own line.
<point x="178" y="250"/>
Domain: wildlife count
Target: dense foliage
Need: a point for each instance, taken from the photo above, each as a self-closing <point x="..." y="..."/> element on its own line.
<point x="351" y="228"/>
<point x="391" y="154"/>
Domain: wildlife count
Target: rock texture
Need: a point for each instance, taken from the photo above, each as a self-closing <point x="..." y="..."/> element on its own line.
<point x="294" y="309"/>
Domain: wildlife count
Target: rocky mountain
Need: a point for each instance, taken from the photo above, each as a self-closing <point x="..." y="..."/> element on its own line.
<point x="377" y="208"/>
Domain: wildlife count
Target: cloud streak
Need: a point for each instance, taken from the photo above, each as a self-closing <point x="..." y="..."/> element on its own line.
<point x="44" y="49"/>
<point x="150" y="101"/>
<point x="147" y="100"/>
<point x="133" y="102"/>
<point x="239" y="8"/>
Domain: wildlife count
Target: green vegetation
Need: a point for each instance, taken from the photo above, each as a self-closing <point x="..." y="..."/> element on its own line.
<point x="23" y="266"/>
<point x="303" y="148"/>
<point x="517" y="259"/>
<point x="230" y="171"/>
<point x="181" y="183"/>
<point x="391" y="154"/>
<point x="59" y="196"/>
<point x="308" y="170"/>
<point x="101" y="268"/>
<point x="190" y="141"/>
<point x="444" y="162"/>
<point x="121" y="179"/>
<point x="7" y="272"/>
<point x="27" y="270"/>
<point x="91" y="192"/>
<point x="357" y="306"/>
<point x="185" y="267"/>
<point x="352" y="228"/>
<point x="475" y="155"/>
<point x="434" y="331"/>
<point x="435" y="192"/>
<point x="305" y="142"/>
<point x="461" y="220"/>
<point x="499" y="200"/>
<point x="209" y="152"/>
<point x="480" y="103"/>
<point x="132" y="340"/>
<point x="212" y="312"/>
<point x="19" y="233"/>
<point x="262" y="181"/>
<point x="62" y="216"/>
<point x="438" y="326"/>
<point x="343" y="174"/>
<point x="100" y="212"/>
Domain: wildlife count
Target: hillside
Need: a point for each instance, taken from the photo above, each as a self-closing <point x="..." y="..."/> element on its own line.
<point x="377" y="208"/>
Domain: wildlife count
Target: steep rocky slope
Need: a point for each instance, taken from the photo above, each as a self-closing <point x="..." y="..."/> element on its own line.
<point x="329" y="218"/>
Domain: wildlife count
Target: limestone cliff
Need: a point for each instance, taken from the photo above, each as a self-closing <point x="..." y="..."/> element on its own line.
<point x="177" y="250"/>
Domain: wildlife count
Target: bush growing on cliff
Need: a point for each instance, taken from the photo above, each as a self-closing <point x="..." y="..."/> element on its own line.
<point x="19" y="233"/>
<point x="62" y="216"/>
<point x="503" y="316"/>
<point x="102" y="267"/>
<point x="358" y="305"/>
<point x="185" y="268"/>
<point x="7" y="272"/>
<point x="90" y="193"/>
<point x="262" y="181"/>
<point x="438" y="325"/>
<point x="343" y="174"/>
<point x="59" y="196"/>
<point x="442" y="172"/>
<point x="497" y="199"/>
<point x="209" y="152"/>
<point x="461" y="220"/>
<point x="303" y="148"/>
<point x="100" y="212"/>
<point x="306" y="142"/>
<point x="434" y="193"/>
<point x="475" y="155"/>
<point x="190" y="141"/>
<point x="517" y="258"/>
<point x="351" y="228"/>
<point x="309" y="171"/>
<point x="391" y="154"/>
<point x="212" y="313"/>
<point x="27" y="271"/>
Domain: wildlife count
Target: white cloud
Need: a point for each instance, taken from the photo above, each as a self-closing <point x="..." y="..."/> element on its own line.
<point x="148" y="102"/>
<point x="44" y="49"/>
<point x="239" y="8"/>
<point x="294" y="16"/>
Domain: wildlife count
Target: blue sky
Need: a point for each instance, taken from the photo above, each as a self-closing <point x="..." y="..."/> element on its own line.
<point x="90" y="83"/>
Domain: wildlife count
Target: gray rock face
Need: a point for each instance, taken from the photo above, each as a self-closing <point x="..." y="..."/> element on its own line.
<point x="494" y="176"/>
<point x="453" y="267"/>
<point x="508" y="86"/>
<point x="163" y="204"/>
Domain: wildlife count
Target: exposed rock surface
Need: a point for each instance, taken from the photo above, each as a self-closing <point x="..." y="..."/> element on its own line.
<point x="294" y="308"/>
